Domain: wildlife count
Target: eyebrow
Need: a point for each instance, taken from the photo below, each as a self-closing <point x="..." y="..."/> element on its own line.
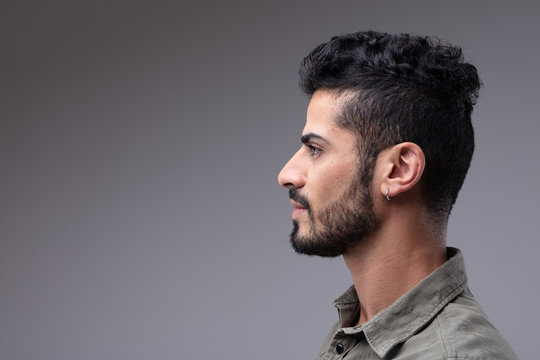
<point x="310" y="136"/>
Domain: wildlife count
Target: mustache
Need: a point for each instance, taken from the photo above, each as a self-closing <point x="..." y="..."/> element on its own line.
<point x="295" y="195"/>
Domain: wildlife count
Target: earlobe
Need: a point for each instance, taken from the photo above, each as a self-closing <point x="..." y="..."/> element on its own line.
<point x="406" y="164"/>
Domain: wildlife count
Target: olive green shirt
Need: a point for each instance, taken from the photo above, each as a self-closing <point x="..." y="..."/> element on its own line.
<point x="437" y="319"/>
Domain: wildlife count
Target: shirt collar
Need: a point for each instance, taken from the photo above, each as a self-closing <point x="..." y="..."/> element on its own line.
<point x="410" y="312"/>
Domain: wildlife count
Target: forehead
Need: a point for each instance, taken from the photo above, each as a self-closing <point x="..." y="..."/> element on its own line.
<point x="322" y="113"/>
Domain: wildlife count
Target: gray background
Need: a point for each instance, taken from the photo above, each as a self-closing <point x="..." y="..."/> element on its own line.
<point x="140" y="143"/>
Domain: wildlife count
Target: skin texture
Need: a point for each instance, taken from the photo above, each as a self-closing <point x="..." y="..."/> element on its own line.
<point x="405" y="245"/>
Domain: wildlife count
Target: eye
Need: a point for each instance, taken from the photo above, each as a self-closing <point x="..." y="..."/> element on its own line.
<point x="313" y="151"/>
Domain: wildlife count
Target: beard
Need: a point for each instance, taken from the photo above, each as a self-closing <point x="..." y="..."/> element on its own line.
<point x="338" y="226"/>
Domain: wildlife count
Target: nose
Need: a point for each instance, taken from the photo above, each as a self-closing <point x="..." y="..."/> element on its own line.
<point x="293" y="173"/>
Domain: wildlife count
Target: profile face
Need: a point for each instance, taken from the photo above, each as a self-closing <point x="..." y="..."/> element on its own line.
<point x="333" y="210"/>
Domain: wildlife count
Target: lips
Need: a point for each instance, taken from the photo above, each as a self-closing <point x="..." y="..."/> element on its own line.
<point x="297" y="200"/>
<point x="298" y="209"/>
<point x="297" y="205"/>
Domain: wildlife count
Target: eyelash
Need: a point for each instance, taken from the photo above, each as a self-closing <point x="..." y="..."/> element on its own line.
<point x="314" y="151"/>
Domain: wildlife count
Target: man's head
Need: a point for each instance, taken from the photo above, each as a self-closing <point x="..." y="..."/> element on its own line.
<point x="377" y="91"/>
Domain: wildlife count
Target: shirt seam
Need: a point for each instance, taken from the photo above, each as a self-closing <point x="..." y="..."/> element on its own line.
<point x="345" y="303"/>
<point x="442" y="337"/>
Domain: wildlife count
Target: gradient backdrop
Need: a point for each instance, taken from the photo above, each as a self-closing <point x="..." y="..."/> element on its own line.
<point x="139" y="147"/>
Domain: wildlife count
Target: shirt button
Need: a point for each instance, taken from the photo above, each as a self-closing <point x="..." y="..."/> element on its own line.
<point x="339" y="348"/>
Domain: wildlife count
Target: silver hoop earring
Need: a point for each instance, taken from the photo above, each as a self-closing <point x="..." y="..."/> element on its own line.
<point x="387" y="197"/>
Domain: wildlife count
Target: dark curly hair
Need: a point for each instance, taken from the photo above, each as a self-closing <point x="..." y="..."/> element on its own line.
<point x="402" y="88"/>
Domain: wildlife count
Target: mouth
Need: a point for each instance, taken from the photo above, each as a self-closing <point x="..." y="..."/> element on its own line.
<point x="298" y="209"/>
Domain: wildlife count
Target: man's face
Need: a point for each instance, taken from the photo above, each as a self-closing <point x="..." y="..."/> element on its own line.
<point x="333" y="208"/>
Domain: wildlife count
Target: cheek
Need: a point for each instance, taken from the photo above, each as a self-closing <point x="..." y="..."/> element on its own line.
<point x="329" y="183"/>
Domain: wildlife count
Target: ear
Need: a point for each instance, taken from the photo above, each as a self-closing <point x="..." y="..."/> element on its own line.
<point x="403" y="167"/>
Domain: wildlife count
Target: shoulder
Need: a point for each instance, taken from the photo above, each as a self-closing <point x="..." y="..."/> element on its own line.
<point x="466" y="332"/>
<point x="461" y="331"/>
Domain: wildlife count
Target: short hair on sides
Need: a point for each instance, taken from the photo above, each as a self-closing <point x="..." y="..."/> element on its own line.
<point x="402" y="88"/>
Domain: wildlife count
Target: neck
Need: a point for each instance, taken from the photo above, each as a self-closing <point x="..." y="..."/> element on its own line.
<point x="391" y="261"/>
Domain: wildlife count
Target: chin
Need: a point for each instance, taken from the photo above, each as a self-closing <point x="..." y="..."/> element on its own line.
<point x="311" y="245"/>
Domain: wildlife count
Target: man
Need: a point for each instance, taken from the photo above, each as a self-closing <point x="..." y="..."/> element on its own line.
<point x="387" y="143"/>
